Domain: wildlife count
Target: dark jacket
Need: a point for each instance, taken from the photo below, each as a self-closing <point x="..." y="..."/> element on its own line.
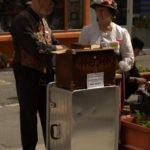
<point x="28" y="40"/>
<point x="131" y="87"/>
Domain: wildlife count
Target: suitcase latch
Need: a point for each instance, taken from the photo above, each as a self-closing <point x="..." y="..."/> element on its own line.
<point x="52" y="104"/>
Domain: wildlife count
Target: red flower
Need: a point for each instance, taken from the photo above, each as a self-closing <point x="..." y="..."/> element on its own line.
<point x="108" y="2"/>
<point x="40" y="27"/>
<point x="139" y="65"/>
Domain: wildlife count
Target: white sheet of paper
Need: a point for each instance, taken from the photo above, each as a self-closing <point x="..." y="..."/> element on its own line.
<point x="95" y="80"/>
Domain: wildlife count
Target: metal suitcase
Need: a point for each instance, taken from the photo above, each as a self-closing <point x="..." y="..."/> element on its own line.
<point x="84" y="119"/>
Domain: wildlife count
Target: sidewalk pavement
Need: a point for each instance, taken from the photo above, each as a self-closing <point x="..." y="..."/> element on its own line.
<point x="10" y="129"/>
<point x="9" y="114"/>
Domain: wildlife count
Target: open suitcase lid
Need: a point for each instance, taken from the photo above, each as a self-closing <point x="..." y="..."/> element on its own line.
<point x="74" y="51"/>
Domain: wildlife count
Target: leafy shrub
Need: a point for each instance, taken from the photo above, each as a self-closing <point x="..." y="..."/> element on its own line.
<point x="142" y="119"/>
<point x="3" y="60"/>
<point x="142" y="69"/>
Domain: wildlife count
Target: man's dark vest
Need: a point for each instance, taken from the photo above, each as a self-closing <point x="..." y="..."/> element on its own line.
<point x="43" y="62"/>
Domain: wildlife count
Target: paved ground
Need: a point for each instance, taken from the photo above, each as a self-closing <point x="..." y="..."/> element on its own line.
<point x="9" y="128"/>
<point x="9" y="110"/>
<point x="7" y="87"/>
<point x="9" y="114"/>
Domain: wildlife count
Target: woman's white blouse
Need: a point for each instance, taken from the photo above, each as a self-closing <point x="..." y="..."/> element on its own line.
<point x="93" y="35"/>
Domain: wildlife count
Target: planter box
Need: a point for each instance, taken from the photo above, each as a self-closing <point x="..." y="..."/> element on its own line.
<point x="133" y="136"/>
<point x="145" y="75"/>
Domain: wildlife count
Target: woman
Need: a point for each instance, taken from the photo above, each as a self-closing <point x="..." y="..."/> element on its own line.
<point x="109" y="34"/>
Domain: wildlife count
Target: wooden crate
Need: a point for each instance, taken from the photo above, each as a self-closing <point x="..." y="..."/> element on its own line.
<point x="73" y="66"/>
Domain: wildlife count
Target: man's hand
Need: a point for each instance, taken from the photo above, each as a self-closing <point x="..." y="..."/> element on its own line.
<point x="61" y="47"/>
<point x="138" y="80"/>
<point x="141" y="80"/>
<point x="58" y="47"/>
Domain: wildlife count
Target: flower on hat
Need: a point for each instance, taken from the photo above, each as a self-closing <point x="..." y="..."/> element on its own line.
<point x="107" y="2"/>
<point x="110" y="2"/>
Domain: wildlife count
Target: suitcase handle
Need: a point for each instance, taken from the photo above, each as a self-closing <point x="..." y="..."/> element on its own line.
<point x="55" y="131"/>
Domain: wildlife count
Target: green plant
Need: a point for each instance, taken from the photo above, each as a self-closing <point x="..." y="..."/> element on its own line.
<point x="3" y="60"/>
<point x="142" y="69"/>
<point x="142" y="119"/>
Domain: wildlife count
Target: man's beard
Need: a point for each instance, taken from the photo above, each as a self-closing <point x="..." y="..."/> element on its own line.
<point x="44" y="12"/>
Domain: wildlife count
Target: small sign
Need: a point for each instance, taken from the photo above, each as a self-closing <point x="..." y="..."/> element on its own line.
<point x="104" y="45"/>
<point x="95" y="80"/>
<point x="114" y="44"/>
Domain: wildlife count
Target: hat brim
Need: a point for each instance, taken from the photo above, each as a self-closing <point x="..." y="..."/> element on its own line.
<point x="103" y="5"/>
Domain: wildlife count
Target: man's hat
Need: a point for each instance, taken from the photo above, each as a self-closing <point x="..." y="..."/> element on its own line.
<point x="55" y="1"/>
<point x="106" y="3"/>
<point x="28" y="2"/>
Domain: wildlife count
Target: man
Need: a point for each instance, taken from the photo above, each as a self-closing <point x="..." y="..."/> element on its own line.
<point x="33" y="43"/>
<point x="133" y="78"/>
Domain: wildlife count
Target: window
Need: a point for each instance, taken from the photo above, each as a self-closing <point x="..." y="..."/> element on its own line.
<point x="75" y="10"/>
<point x="56" y="19"/>
<point x="141" y="21"/>
<point x="8" y="9"/>
<point x="67" y="14"/>
<point x="121" y="17"/>
<point x="141" y="13"/>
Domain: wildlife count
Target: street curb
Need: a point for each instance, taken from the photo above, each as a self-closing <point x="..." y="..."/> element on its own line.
<point x="39" y="147"/>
